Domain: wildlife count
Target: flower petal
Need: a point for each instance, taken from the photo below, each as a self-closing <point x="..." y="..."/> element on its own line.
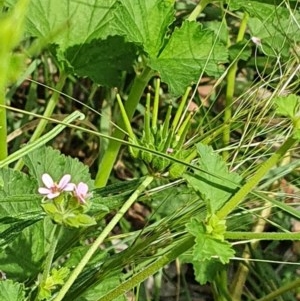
<point x="82" y="188"/>
<point x="43" y="190"/>
<point x="64" y="181"/>
<point x="47" y="180"/>
<point x="52" y="195"/>
<point x="69" y="187"/>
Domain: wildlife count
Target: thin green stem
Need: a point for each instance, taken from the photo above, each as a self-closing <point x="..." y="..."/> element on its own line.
<point x="262" y="235"/>
<point x="42" y="140"/>
<point x="147" y="125"/>
<point x="155" y="106"/>
<point x="125" y="119"/>
<point x="48" y="112"/>
<point x="49" y="259"/>
<point x="111" y="153"/>
<point x="183" y="130"/>
<point x="3" y="128"/>
<point x="231" y="87"/>
<point x="285" y="288"/>
<point x="185" y="245"/>
<point x="166" y="123"/>
<point x="11" y="26"/>
<point x="254" y="180"/>
<point x="179" y="111"/>
<point x="95" y="246"/>
<point x="198" y="9"/>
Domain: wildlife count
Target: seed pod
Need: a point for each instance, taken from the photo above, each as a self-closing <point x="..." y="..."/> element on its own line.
<point x="134" y="151"/>
<point x="160" y="164"/>
<point x="146" y="157"/>
<point x="176" y="170"/>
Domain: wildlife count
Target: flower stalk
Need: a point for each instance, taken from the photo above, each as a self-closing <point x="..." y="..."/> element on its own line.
<point x="49" y="259"/>
<point x="109" y="158"/>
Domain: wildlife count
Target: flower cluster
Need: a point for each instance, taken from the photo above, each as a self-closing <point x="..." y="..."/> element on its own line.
<point x="53" y="190"/>
<point x="66" y="203"/>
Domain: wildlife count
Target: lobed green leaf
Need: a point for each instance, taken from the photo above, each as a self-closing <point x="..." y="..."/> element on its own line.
<point x="215" y="183"/>
<point x="190" y="51"/>
<point x="11" y="291"/>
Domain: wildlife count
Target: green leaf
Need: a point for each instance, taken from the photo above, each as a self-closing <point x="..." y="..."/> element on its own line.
<point x="51" y="161"/>
<point x="11" y="291"/>
<point x="214" y="182"/>
<point x="215" y="227"/>
<point x="220" y="29"/>
<point x="59" y="275"/>
<point x="287" y="105"/>
<point x="79" y="220"/>
<point x="22" y="259"/>
<point x="80" y="31"/>
<point x="145" y="22"/>
<point x="275" y="25"/>
<point x="69" y="23"/>
<point x="206" y="246"/>
<point x="19" y="204"/>
<point x="206" y="271"/>
<point x="15" y="183"/>
<point x="113" y="196"/>
<point x="190" y="51"/>
<point x="99" y="290"/>
<point x="102" y="60"/>
<point x="77" y="253"/>
<point x="11" y="233"/>
<point x="239" y="51"/>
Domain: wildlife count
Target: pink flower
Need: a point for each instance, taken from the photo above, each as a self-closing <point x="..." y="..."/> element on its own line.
<point x="81" y="192"/>
<point x="52" y="189"/>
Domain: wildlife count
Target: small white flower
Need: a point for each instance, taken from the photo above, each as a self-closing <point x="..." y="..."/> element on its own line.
<point x="256" y="41"/>
<point x="81" y="192"/>
<point x="52" y="189"/>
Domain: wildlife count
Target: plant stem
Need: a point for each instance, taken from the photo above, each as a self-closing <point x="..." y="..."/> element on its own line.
<point x="42" y="140"/>
<point x="49" y="259"/>
<point x="198" y="9"/>
<point x="155" y="106"/>
<point x="109" y="158"/>
<point x="285" y="288"/>
<point x="240" y="277"/>
<point x="12" y="25"/>
<point x="3" y="128"/>
<point x="95" y="246"/>
<point x="263" y="235"/>
<point x="48" y="112"/>
<point x="185" y="245"/>
<point x="231" y="87"/>
<point x="126" y="121"/>
<point x="254" y="180"/>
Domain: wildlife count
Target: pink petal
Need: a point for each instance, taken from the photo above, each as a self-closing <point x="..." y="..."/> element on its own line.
<point x="82" y="188"/>
<point x="47" y="180"/>
<point x="52" y="195"/>
<point x="64" y="181"/>
<point x="69" y="187"/>
<point x="43" y="190"/>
